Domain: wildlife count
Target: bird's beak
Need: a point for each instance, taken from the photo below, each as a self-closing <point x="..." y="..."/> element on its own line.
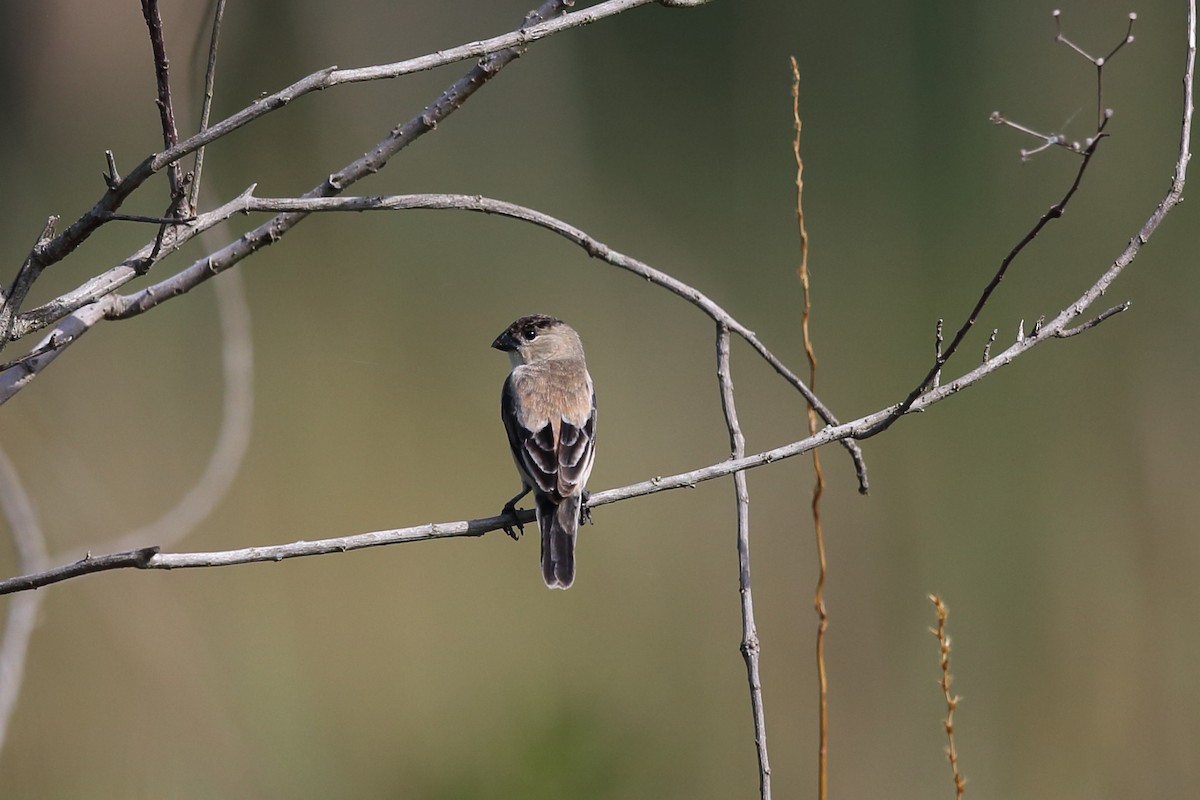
<point x="506" y="342"/>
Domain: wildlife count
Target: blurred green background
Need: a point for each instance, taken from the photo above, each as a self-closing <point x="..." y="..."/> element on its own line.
<point x="1053" y="506"/>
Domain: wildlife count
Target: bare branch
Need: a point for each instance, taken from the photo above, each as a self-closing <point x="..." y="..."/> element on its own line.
<point x="16" y="375"/>
<point x="210" y="74"/>
<point x="372" y="162"/>
<point x="1087" y="150"/>
<point x="750" y="645"/>
<point x="85" y="566"/>
<point x="31" y="268"/>
<point x="1097" y="61"/>
<point x="1054" y="212"/>
<point x="107" y="282"/>
<point x="117" y="307"/>
<point x="987" y="347"/>
<point x="1102" y="114"/>
<point x="536" y="27"/>
<point x="1094" y="321"/>
<point x="166" y="110"/>
<point x="538" y="24"/>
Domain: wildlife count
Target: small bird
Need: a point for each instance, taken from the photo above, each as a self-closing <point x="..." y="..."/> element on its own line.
<point x="549" y="410"/>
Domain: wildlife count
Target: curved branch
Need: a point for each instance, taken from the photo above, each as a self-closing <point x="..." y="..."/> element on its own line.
<point x="22" y="611"/>
<point x="288" y="208"/>
<point x="187" y="279"/>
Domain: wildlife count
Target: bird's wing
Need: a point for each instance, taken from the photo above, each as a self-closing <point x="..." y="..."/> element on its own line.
<point x="576" y="452"/>
<point x="532" y="450"/>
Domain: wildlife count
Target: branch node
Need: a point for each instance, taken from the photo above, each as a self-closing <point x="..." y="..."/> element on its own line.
<point x="47" y="232"/>
<point x="112" y="178"/>
<point x="987" y="347"/>
<point x="937" y="352"/>
<point x="141" y="557"/>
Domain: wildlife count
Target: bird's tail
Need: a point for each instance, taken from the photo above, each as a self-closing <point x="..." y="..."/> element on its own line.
<point x="559" y="523"/>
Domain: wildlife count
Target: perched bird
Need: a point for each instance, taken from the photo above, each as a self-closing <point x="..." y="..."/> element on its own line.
<point x="549" y="410"/>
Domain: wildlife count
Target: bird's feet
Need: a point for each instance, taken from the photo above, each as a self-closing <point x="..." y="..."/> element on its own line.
<point x="585" y="513"/>
<point x="510" y="510"/>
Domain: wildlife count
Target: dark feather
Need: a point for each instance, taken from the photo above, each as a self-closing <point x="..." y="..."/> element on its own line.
<point x="559" y="523"/>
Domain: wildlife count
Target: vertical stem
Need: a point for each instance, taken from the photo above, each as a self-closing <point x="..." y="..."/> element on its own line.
<point x="165" y="110"/>
<point x="210" y="73"/>
<point x="952" y="700"/>
<point x="750" y="645"/>
<point x="819" y="486"/>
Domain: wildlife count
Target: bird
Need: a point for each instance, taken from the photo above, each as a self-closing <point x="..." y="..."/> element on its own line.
<point x="548" y="406"/>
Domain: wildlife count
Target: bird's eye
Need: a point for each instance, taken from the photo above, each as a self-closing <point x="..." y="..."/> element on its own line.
<point x="531" y="333"/>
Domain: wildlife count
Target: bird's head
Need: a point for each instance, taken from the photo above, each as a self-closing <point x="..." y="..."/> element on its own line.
<point x="538" y="337"/>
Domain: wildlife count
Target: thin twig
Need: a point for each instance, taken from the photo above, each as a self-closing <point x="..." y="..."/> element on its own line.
<point x="1087" y="150"/>
<point x="148" y="219"/>
<point x="1102" y="114"/>
<point x="166" y="110"/>
<point x="987" y="346"/>
<point x="750" y="646"/>
<point x="1097" y="61"/>
<point x="210" y="74"/>
<point x="938" y="341"/>
<point x="1054" y="212"/>
<point x="952" y="700"/>
<point x="819" y="486"/>
<point x="1094" y="321"/>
